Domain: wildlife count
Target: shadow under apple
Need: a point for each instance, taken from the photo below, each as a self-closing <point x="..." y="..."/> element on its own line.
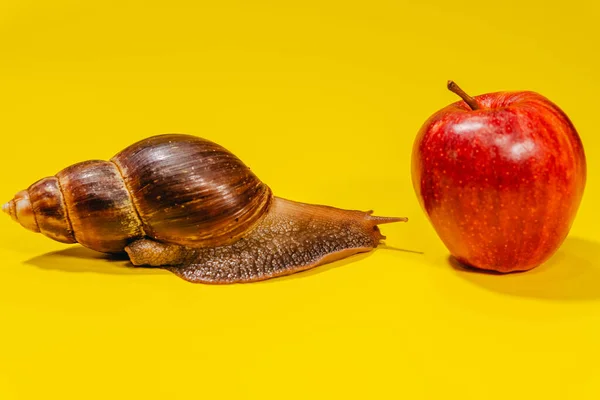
<point x="573" y="273"/>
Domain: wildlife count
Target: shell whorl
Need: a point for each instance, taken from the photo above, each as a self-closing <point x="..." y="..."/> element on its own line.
<point x="191" y="191"/>
<point x="177" y="189"/>
<point x="21" y="210"/>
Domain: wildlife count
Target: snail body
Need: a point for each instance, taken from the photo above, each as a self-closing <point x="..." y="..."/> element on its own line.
<point x="187" y="204"/>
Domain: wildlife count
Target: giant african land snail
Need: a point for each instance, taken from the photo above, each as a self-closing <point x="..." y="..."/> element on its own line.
<point x="189" y="205"/>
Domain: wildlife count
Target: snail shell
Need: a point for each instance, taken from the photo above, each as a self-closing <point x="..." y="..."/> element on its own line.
<point x="189" y="205"/>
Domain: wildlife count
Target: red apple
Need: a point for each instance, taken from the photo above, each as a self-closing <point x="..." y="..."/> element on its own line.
<point x="500" y="176"/>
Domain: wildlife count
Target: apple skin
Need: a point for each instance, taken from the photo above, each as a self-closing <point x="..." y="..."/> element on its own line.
<point x="502" y="184"/>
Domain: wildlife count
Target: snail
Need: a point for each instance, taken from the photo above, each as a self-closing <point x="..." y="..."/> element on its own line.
<point x="188" y="205"/>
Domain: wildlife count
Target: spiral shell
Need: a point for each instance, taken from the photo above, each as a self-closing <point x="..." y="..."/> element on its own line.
<point x="177" y="189"/>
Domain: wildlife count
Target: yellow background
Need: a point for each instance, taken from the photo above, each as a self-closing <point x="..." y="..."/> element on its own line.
<point x="322" y="99"/>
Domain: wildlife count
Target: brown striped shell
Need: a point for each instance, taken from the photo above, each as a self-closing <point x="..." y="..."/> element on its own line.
<point x="176" y="189"/>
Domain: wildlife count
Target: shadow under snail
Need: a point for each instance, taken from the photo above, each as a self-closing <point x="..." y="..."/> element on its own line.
<point x="188" y="205"/>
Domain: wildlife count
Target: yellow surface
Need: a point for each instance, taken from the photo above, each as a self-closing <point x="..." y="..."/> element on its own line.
<point x="322" y="99"/>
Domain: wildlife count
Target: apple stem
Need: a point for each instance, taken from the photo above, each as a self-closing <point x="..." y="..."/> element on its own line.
<point x="471" y="102"/>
